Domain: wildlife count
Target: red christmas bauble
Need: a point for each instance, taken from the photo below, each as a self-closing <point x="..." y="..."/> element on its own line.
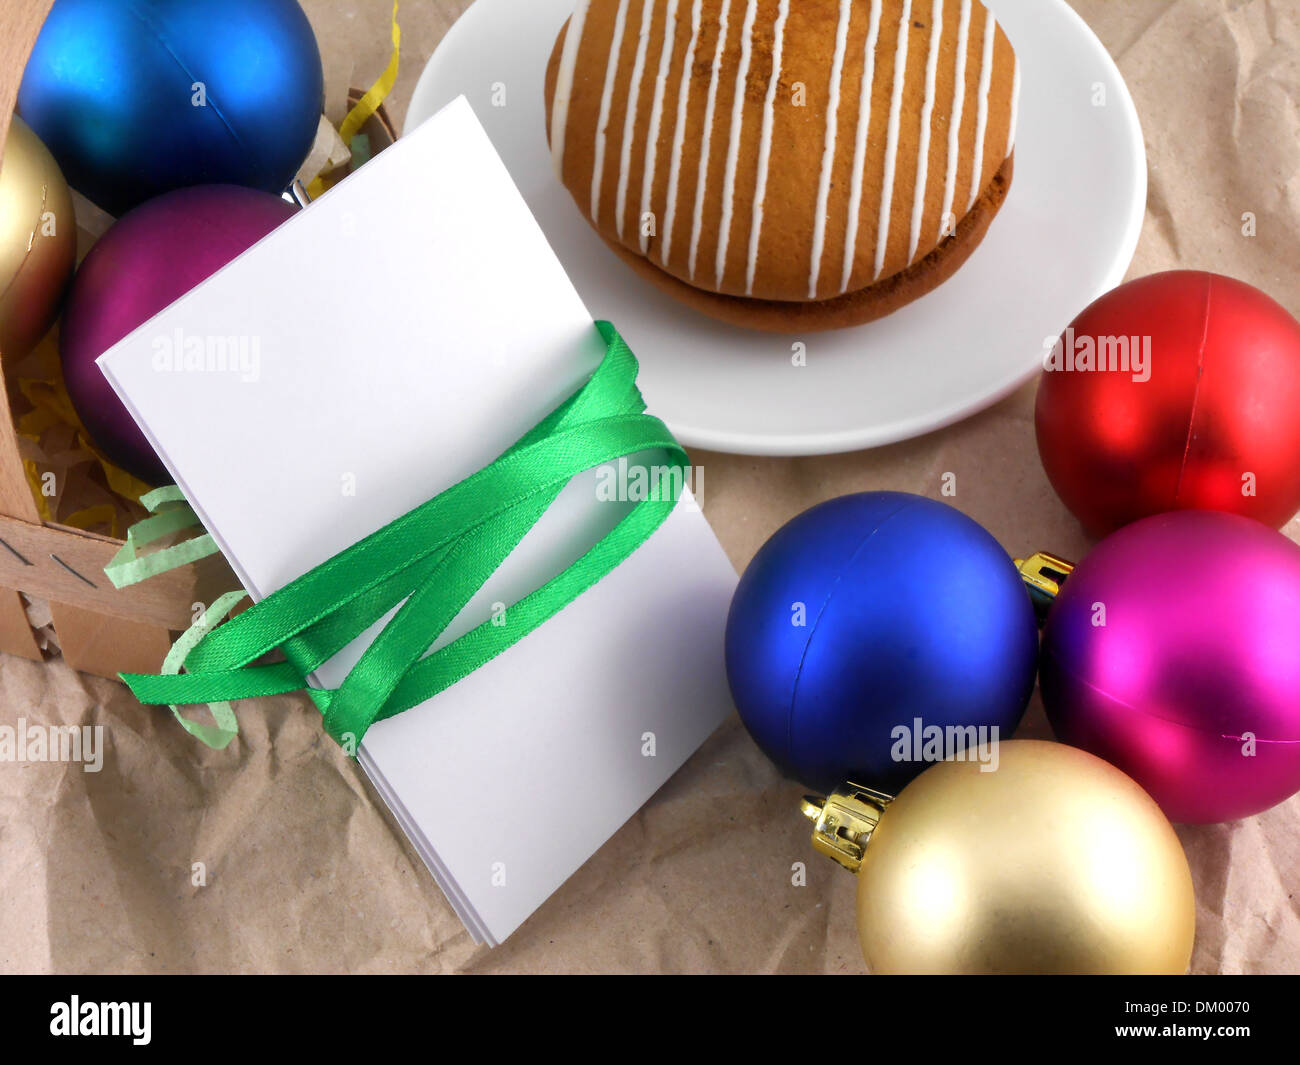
<point x="1177" y="390"/>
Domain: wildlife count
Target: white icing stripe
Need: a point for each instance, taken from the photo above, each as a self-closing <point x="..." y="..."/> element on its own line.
<point x="606" y="102"/>
<point x="828" y="152"/>
<point x="656" y="120"/>
<point x="679" y="133"/>
<point x="982" y="116"/>
<point x="1015" y="102"/>
<point x="633" y="102"/>
<point x="860" y="146"/>
<point x="564" y="86"/>
<point x="927" y="116"/>
<point x="765" y="143"/>
<point x="891" y="136"/>
<point x="948" y="224"/>
<point x="733" y="142"/>
<point x="706" y="144"/>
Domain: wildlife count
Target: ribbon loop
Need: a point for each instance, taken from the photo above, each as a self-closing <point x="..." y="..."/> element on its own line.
<point x="426" y="565"/>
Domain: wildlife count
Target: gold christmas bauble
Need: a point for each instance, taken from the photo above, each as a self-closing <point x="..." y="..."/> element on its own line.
<point x="38" y="240"/>
<point x="1053" y="862"/>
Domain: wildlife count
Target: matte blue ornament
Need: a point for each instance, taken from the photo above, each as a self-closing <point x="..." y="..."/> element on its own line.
<point x="138" y="97"/>
<point x="865" y="616"/>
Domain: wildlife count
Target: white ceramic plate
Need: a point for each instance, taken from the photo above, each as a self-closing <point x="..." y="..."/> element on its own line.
<point x="1065" y="235"/>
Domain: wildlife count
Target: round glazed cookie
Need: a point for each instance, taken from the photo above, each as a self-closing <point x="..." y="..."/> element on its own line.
<point x="786" y="163"/>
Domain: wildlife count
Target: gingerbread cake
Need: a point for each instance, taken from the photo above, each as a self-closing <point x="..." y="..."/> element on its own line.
<point x="786" y="164"/>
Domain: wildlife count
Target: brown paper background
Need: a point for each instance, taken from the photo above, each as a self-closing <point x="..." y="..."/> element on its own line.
<point x="306" y="872"/>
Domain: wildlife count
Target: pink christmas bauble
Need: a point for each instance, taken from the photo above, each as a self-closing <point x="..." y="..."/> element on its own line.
<point x="151" y="257"/>
<point x="1173" y="651"/>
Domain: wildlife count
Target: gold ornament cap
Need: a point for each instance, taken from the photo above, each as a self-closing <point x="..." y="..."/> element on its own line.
<point x="844" y="821"/>
<point x="1043" y="574"/>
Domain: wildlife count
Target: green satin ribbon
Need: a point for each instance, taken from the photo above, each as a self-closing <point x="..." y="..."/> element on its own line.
<point x="431" y="561"/>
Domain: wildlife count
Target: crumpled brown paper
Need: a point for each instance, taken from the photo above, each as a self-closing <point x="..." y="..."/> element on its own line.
<point x="276" y="855"/>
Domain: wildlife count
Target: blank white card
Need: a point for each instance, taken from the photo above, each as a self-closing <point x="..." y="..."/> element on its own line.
<point x="397" y="335"/>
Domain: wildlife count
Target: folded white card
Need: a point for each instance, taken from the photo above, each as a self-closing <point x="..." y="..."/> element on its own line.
<point x="393" y="338"/>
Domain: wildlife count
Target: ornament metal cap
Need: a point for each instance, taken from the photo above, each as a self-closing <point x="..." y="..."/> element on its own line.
<point x="844" y="821"/>
<point x="1043" y="574"/>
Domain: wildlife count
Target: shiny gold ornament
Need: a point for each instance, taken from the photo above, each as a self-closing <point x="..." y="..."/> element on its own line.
<point x="1053" y="862"/>
<point x="38" y="240"/>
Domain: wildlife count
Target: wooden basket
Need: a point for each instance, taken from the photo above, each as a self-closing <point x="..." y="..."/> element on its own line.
<point x="100" y="629"/>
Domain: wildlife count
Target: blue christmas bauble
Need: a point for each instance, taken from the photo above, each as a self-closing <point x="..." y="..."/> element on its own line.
<point x="138" y="97"/>
<point x="876" y="633"/>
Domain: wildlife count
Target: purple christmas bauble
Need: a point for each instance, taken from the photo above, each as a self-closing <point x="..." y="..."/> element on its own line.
<point x="150" y="258"/>
<point x="1173" y="651"/>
